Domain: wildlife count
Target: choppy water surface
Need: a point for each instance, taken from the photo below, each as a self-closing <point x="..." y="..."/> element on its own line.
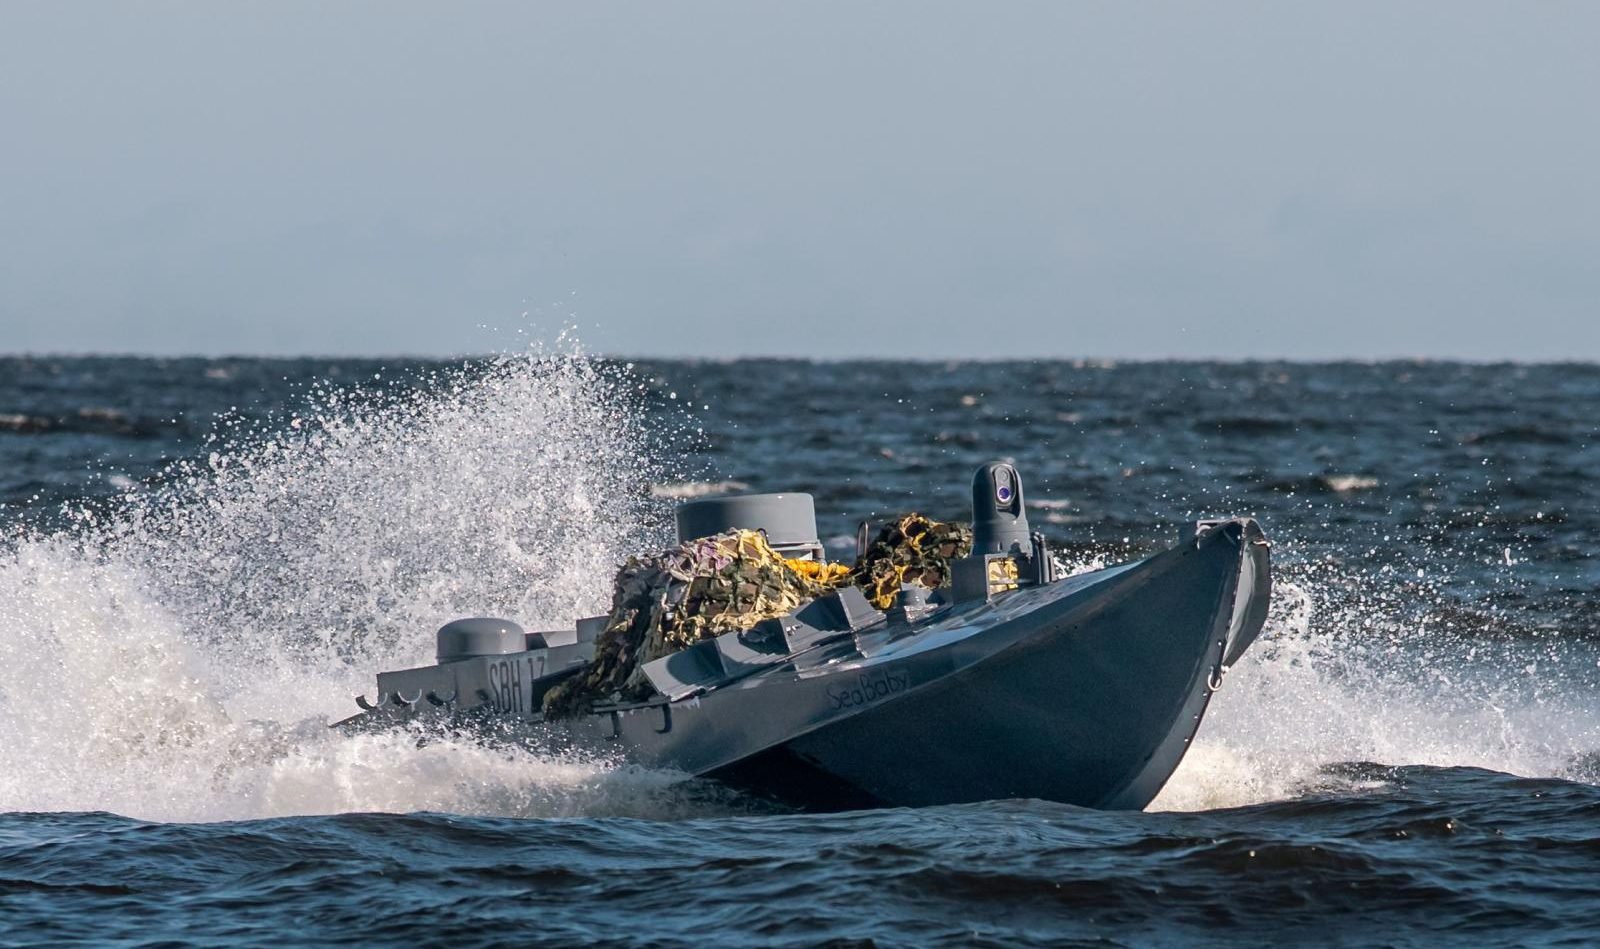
<point x="201" y="562"/>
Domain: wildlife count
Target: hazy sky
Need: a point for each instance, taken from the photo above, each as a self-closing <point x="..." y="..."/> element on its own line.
<point x="827" y="179"/>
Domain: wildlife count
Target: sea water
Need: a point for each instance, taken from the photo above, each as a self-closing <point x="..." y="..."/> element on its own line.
<point x="202" y="562"/>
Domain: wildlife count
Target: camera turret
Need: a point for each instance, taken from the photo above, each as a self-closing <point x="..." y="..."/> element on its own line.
<point x="999" y="519"/>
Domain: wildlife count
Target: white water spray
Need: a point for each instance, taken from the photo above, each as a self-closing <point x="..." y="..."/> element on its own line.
<point x="180" y="661"/>
<point x="1379" y="677"/>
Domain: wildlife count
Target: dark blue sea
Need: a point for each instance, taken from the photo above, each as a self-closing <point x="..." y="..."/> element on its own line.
<point x="203" y="561"/>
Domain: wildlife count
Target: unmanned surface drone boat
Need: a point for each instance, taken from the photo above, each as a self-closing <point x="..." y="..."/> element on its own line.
<point x="1009" y="683"/>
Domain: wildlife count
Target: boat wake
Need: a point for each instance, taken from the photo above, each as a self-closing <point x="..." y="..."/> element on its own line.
<point x="179" y="658"/>
<point x="1355" y="669"/>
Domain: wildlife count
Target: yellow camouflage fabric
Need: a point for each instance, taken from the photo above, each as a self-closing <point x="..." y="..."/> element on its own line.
<point x="697" y="590"/>
<point x="913" y="549"/>
<point x="700" y="589"/>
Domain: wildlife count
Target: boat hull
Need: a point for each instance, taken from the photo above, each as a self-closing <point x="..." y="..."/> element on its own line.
<point x="1086" y="691"/>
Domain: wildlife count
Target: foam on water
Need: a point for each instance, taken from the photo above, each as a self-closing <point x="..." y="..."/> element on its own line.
<point x="1384" y="676"/>
<point x="180" y="657"/>
<point x="689" y="490"/>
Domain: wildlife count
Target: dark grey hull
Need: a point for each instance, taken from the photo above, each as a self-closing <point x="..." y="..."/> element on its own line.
<point x="1087" y="690"/>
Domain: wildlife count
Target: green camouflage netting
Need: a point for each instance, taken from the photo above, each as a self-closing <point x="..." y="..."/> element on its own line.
<point x="664" y="602"/>
<point x="913" y="549"/>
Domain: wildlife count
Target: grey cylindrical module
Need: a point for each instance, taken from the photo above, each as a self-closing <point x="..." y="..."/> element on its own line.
<point x="999" y="520"/>
<point x="479" y="636"/>
<point x="788" y="520"/>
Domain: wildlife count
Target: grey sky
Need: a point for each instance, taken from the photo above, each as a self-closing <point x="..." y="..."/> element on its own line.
<point x="829" y="179"/>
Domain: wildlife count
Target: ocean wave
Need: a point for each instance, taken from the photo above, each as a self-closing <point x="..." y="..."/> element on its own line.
<point x="1338" y="484"/>
<point x="688" y="490"/>
<point x="1516" y="435"/>
<point x="1347" y="483"/>
<point x="90" y="420"/>
<point x="1051" y="504"/>
<point x="1247" y="425"/>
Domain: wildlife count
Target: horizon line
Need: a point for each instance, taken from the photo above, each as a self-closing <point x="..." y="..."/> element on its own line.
<point x="1087" y="360"/>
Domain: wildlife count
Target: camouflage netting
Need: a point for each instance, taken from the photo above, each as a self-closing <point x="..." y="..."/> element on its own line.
<point x="664" y="602"/>
<point x="913" y="549"/>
